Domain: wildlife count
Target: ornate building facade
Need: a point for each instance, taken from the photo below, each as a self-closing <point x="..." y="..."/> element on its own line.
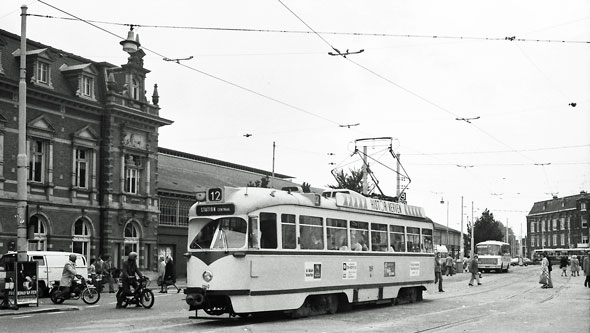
<point x="92" y="146"/>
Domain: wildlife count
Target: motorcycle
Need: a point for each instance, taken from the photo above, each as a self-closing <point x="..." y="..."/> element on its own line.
<point x="81" y="288"/>
<point x="142" y="295"/>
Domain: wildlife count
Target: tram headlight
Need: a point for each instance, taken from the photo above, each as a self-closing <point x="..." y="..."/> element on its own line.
<point x="207" y="276"/>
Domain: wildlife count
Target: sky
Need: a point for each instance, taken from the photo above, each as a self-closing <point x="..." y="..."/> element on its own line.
<point x="476" y="96"/>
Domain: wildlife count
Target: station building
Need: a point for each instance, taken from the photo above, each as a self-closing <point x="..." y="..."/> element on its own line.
<point x="559" y="223"/>
<point x="98" y="183"/>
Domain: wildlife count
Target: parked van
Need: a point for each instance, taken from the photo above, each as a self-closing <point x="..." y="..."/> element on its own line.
<point x="50" y="266"/>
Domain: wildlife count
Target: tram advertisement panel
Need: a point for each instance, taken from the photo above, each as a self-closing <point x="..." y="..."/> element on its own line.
<point x="414" y="268"/>
<point x="349" y="270"/>
<point x="389" y="269"/>
<point x="26" y="283"/>
<point x="313" y="271"/>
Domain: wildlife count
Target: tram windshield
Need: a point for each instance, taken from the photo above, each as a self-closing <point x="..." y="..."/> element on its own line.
<point x="223" y="233"/>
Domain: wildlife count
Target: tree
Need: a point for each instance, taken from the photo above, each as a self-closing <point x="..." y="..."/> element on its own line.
<point x="352" y="181"/>
<point x="486" y="228"/>
<point x="263" y="182"/>
<point x="306" y="187"/>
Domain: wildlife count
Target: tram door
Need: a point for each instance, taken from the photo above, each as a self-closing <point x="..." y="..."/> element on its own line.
<point x="268" y="231"/>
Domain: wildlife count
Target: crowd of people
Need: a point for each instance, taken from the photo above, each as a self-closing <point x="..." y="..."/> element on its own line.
<point x="573" y="263"/>
<point x="446" y="267"/>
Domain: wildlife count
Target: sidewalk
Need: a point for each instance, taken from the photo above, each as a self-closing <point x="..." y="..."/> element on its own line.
<point x="45" y="304"/>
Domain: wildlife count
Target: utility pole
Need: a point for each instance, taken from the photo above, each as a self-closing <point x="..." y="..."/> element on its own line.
<point x="365" y="171"/>
<point x="461" y="243"/>
<point x="472" y="231"/>
<point x="21" y="159"/>
<point x="273" y="165"/>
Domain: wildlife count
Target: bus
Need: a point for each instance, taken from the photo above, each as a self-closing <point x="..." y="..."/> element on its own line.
<point x="254" y="250"/>
<point x="493" y="255"/>
<point x="555" y="254"/>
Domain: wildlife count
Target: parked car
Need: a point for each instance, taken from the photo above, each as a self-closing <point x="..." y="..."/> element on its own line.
<point x="50" y="266"/>
<point x="527" y="261"/>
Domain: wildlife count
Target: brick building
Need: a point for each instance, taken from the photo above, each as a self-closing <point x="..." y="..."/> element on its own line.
<point x="92" y="140"/>
<point x="559" y="223"/>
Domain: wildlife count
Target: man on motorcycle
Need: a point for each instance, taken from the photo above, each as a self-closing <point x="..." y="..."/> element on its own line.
<point x="67" y="276"/>
<point x="128" y="273"/>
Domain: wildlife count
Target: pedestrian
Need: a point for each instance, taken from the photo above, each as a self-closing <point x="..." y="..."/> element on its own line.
<point x="162" y="274"/>
<point x="108" y="270"/>
<point x="474" y="270"/>
<point x="449" y="264"/>
<point x="586" y="267"/>
<point x="563" y="263"/>
<point x="550" y="268"/>
<point x="575" y="266"/>
<point x="92" y="271"/>
<point x="465" y="262"/>
<point x="545" y="277"/>
<point x="170" y="275"/>
<point x="438" y="272"/>
<point x="99" y="266"/>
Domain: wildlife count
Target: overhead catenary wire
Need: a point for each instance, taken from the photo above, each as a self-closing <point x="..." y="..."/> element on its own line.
<point x="200" y="71"/>
<point x="336" y="33"/>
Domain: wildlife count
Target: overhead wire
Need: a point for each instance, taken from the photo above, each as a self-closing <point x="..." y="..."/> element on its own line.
<point x="235" y="85"/>
<point x="336" y="33"/>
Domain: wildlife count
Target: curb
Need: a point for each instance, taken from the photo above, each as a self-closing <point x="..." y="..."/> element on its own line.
<point x="34" y="311"/>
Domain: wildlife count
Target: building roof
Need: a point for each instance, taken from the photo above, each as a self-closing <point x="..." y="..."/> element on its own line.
<point x="557" y="204"/>
<point x="181" y="172"/>
<point x="438" y="226"/>
<point x="10" y="62"/>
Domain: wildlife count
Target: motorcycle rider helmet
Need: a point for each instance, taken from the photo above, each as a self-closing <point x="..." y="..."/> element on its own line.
<point x="132" y="255"/>
<point x="73" y="257"/>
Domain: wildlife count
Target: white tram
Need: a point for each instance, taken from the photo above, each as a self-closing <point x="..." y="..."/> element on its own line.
<point x="254" y="250"/>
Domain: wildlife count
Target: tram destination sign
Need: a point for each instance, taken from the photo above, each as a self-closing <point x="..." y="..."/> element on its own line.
<point x="223" y="209"/>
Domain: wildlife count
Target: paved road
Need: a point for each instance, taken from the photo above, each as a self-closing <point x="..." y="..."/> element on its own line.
<point x="512" y="302"/>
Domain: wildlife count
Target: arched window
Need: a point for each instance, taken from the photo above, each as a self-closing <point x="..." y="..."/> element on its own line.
<point x="81" y="237"/>
<point x="37" y="233"/>
<point x="131" y="239"/>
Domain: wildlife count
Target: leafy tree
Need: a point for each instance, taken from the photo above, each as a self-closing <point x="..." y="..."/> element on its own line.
<point x="486" y="228"/>
<point x="306" y="187"/>
<point x="263" y="182"/>
<point x="352" y="181"/>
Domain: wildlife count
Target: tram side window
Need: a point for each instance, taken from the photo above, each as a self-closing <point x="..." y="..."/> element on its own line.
<point x="359" y="236"/>
<point x="398" y="238"/>
<point x="427" y="240"/>
<point x="268" y="230"/>
<point x="379" y="237"/>
<point x="413" y="239"/>
<point x="289" y="235"/>
<point x="336" y="234"/>
<point x="311" y="233"/>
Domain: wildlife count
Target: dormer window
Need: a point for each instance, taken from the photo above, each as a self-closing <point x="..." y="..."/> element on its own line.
<point x="87" y="86"/>
<point x="81" y="78"/>
<point x="42" y="73"/>
<point x="38" y="66"/>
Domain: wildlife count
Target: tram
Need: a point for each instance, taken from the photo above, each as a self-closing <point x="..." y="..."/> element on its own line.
<point x="254" y="250"/>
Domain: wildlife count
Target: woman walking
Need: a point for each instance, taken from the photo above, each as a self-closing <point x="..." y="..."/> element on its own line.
<point x="563" y="262"/>
<point x="162" y="275"/>
<point x="170" y="276"/>
<point x="545" y="278"/>
<point x="438" y="272"/>
<point x="575" y="267"/>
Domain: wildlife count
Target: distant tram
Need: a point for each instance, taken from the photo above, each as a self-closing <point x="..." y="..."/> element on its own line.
<point x="254" y="250"/>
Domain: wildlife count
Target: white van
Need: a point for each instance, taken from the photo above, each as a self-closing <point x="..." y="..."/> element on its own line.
<point x="51" y="265"/>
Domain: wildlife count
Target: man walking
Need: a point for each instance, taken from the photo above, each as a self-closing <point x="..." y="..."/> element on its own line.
<point x="438" y="272"/>
<point x="474" y="270"/>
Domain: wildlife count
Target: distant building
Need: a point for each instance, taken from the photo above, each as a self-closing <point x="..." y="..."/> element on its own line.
<point x="451" y="239"/>
<point x="559" y="223"/>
